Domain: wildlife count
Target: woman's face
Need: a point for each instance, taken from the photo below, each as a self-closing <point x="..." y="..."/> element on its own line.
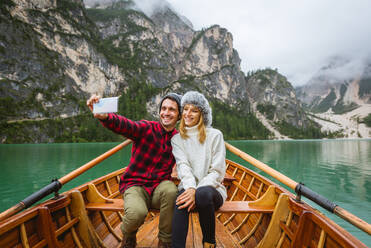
<point x="191" y="115"/>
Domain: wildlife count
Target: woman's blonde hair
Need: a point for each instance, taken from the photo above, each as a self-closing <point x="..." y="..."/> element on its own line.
<point x="201" y="129"/>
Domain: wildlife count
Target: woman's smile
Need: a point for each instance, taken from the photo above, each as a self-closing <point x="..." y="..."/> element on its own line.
<point x="191" y="115"/>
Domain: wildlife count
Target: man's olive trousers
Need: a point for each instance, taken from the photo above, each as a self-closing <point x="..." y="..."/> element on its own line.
<point x="136" y="205"/>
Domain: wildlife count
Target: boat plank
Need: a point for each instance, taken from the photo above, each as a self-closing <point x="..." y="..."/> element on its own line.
<point x="190" y="233"/>
<point x="195" y="228"/>
<point x="10" y="238"/>
<point x="148" y="232"/>
<point x="223" y="237"/>
<point x="110" y="241"/>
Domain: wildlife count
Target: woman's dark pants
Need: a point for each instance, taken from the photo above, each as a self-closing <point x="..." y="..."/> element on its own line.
<point x="208" y="200"/>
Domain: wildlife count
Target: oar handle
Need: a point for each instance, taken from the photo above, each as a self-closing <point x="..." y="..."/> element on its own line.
<point x="92" y="163"/>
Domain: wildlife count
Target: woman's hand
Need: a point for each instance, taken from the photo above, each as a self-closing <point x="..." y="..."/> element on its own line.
<point x="95" y="99"/>
<point x="187" y="199"/>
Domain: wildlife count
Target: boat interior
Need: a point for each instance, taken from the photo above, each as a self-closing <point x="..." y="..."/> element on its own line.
<point x="257" y="213"/>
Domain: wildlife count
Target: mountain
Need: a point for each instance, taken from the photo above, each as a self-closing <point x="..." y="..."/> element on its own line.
<point x="275" y="104"/>
<point x="56" y="53"/>
<point x="329" y="89"/>
<point x="340" y="101"/>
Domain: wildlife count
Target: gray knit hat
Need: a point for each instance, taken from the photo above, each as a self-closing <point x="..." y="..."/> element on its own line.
<point x="200" y="101"/>
<point x="172" y="96"/>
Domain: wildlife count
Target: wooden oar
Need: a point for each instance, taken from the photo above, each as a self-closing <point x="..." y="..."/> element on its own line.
<point x="57" y="184"/>
<point x="303" y="190"/>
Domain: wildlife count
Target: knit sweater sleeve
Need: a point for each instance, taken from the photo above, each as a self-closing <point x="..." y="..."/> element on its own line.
<point x="183" y="166"/>
<point x="216" y="171"/>
<point x="126" y="127"/>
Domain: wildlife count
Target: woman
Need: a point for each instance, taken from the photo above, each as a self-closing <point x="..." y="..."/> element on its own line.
<point x="199" y="152"/>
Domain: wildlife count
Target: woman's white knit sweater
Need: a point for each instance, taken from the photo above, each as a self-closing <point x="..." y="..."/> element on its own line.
<point x="200" y="164"/>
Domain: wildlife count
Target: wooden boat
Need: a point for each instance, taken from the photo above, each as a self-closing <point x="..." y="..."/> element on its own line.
<point x="258" y="213"/>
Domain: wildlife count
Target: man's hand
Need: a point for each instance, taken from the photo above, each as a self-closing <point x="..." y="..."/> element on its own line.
<point x="95" y="99"/>
<point x="187" y="199"/>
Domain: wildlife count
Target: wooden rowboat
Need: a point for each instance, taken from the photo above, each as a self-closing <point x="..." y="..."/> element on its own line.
<point x="258" y="213"/>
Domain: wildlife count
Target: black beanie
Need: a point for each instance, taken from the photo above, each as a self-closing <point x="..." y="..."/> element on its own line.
<point x="172" y="96"/>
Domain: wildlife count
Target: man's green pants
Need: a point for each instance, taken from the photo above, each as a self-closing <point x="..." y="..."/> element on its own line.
<point x="136" y="205"/>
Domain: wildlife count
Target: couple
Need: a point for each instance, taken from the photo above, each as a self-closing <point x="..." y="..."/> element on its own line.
<point x="199" y="153"/>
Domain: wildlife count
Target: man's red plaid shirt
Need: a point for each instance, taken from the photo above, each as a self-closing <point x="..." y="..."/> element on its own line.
<point x="152" y="159"/>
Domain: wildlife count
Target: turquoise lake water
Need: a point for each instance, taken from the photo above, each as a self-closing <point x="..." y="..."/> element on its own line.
<point x="337" y="169"/>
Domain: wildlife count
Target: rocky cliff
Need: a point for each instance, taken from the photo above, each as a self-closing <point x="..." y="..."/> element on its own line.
<point x="275" y="104"/>
<point x="56" y="53"/>
<point x="274" y="96"/>
<point x="164" y="51"/>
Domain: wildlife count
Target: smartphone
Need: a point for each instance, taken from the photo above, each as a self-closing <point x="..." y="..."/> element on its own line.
<point x="106" y="105"/>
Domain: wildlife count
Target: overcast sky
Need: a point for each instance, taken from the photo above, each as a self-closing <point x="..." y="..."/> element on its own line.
<point x="296" y="37"/>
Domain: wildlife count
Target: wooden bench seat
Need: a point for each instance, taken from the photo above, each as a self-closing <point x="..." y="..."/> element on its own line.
<point x="265" y="204"/>
<point x="111" y="205"/>
<point x="243" y="207"/>
<point x="228" y="207"/>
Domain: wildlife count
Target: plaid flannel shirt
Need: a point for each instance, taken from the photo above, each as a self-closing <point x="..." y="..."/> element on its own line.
<point x="152" y="159"/>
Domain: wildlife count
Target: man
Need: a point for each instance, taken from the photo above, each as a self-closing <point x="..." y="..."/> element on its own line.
<point x="146" y="181"/>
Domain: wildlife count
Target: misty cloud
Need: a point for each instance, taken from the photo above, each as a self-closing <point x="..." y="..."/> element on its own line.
<point x="148" y="7"/>
<point x="92" y="3"/>
<point x="343" y="69"/>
